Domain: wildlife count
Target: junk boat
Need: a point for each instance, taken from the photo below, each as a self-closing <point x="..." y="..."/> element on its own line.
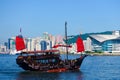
<point x="48" y="60"/>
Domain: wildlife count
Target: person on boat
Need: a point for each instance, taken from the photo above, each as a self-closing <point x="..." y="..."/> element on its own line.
<point x="61" y="64"/>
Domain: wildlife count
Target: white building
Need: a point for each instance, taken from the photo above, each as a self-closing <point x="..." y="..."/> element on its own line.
<point x="2" y="48"/>
<point x="11" y="44"/>
<point x="106" y="43"/>
<point x="87" y="44"/>
<point x="38" y="43"/>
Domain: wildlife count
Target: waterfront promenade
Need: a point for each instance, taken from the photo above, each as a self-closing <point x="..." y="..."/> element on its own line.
<point x="104" y="54"/>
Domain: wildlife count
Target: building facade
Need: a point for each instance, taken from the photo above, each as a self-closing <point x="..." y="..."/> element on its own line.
<point x="106" y="43"/>
<point x="2" y="49"/>
<point x="46" y="42"/>
<point x="11" y="44"/>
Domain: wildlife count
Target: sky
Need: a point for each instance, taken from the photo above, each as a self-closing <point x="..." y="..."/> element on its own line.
<point x="37" y="16"/>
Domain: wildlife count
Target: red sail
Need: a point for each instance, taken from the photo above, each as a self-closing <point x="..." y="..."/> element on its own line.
<point x="80" y="45"/>
<point x="20" y="45"/>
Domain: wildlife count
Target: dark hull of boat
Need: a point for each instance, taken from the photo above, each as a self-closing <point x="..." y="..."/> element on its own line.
<point x="64" y="66"/>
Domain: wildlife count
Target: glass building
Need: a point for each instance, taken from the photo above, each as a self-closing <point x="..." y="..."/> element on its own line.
<point x="105" y="43"/>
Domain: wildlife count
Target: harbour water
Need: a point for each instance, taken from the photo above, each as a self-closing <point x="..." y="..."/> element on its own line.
<point x="92" y="68"/>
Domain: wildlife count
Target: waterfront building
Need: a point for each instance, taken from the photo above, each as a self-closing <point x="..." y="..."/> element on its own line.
<point x="45" y="35"/>
<point x="36" y="43"/>
<point x="6" y="45"/>
<point x="46" y="42"/>
<point x="87" y="44"/>
<point x="106" y="43"/>
<point x="28" y="44"/>
<point x="2" y="49"/>
<point x="11" y="44"/>
<point x="43" y="44"/>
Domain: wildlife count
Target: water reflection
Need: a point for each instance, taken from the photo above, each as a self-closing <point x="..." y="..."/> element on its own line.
<point x="29" y="75"/>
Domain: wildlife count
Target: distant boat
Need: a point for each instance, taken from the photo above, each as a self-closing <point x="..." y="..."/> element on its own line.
<point x="46" y="60"/>
<point x="14" y="52"/>
<point x="2" y="53"/>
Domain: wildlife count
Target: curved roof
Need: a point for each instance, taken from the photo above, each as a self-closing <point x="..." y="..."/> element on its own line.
<point x="102" y="38"/>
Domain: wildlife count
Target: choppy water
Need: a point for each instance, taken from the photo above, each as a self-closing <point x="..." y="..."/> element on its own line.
<point x="93" y="68"/>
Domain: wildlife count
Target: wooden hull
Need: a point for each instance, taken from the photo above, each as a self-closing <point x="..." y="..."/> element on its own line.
<point x="60" y="66"/>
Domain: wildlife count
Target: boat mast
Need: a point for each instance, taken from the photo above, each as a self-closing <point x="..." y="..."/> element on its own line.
<point x="20" y="31"/>
<point x="66" y="39"/>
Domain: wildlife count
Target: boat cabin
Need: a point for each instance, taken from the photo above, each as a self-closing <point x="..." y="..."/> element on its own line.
<point x="43" y="57"/>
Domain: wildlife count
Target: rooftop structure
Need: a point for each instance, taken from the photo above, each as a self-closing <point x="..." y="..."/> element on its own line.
<point x="106" y="43"/>
<point x="102" y="38"/>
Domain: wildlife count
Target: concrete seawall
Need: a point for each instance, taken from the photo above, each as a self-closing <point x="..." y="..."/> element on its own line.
<point x="104" y="54"/>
